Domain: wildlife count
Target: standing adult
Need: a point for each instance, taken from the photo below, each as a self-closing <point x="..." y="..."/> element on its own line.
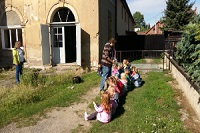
<point x="107" y="61"/>
<point x="18" y="59"/>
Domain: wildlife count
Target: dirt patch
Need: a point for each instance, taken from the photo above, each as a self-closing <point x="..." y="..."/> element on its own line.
<point x="188" y="115"/>
<point x="60" y="120"/>
<point x="149" y="60"/>
<point x="7" y="79"/>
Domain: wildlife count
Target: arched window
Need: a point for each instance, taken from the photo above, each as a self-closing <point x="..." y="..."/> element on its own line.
<point x="64" y="15"/>
<point x="11" y="30"/>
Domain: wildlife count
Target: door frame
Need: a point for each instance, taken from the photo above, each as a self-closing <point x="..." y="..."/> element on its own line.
<point x="78" y="37"/>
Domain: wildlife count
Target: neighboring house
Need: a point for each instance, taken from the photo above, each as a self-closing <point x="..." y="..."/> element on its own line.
<point x="141" y="33"/>
<point x="61" y="31"/>
<point x="155" y="29"/>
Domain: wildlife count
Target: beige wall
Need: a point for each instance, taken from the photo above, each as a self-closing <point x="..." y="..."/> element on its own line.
<point x="91" y="14"/>
<point x="36" y="12"/>
<point x="105" y="6"/>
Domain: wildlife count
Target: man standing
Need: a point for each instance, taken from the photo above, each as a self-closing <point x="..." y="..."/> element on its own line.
<point x="107" y="61"/>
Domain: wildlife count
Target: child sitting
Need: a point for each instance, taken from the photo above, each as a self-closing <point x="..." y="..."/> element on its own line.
<point x="113" y="82"/>
<point x="127" y="72"/>
<point x="113" y="101"/>
<point x="135" y="77"/>
<point x="126" y="64"/>
<point x="114" y="69"/>
<point x="124" y="82"/>
<point x="120" y="70"/>
<point x="120" y="86"/>
<point x="103" y="112"/>
<point x="133" y="71"/>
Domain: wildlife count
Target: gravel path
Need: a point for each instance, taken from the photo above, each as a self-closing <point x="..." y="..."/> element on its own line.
<point x="60" y="120"/>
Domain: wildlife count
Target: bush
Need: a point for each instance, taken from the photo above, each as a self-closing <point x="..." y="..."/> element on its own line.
<point x="188" y="49"/>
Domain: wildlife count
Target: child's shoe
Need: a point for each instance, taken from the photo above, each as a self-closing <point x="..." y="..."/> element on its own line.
<point x="86" y="116"/>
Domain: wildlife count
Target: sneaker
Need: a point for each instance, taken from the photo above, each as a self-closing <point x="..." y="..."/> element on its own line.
<point x="102" y="91"/>
<point x="86" y="116"/>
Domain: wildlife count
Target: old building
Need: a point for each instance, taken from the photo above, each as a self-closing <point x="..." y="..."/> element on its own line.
<point x="61" y="31"/>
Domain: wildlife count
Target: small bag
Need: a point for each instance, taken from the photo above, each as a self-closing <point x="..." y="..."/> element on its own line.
<point x="76" y="80"/>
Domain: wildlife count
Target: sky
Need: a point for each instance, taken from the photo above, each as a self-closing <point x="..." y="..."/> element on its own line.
<point x="153" y="9"/>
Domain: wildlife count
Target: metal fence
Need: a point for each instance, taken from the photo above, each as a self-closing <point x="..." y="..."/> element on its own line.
<point x="145" y="58"/>
<point x="139" y="54"/>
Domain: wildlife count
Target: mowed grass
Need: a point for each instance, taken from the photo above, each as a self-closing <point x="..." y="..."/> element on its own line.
<point x="144" y="61"/>
<point x="148" y="109"/>
<point x="38" y="93"/>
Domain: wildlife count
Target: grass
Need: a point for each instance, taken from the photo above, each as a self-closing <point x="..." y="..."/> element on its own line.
<point x="144" y="61"/>
<point x="150" y="108"/>
<point x="3" y="73"/>
<point x="38" y="93"/>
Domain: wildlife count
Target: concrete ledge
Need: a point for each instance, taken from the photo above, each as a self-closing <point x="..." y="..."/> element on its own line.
<point x="188" y="89"/>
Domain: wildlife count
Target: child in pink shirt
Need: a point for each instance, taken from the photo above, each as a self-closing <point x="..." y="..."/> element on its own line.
<point x="103" y="111"/>
<point x="114" y="69"/>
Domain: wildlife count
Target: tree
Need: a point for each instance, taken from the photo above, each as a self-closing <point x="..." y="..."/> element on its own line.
<point x="139" y="20"/>
<point x="177" y="14"/>
<point x="188" y="49"/>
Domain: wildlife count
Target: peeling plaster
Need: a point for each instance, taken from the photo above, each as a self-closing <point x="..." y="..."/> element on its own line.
<point x="30" y="12"/>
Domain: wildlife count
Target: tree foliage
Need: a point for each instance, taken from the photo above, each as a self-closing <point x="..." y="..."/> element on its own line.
<point x="178" y="13"/>
<point x="139" y="20"/>
<point x="188" y="49"/>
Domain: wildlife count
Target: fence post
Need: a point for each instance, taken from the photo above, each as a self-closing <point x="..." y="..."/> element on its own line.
<point x="163" y="63"/>
<point x="142" y="56"/>
<point x="120" y="56"/>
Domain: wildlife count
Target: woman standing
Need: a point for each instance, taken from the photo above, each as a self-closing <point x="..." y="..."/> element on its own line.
<point x="18" y="59"/>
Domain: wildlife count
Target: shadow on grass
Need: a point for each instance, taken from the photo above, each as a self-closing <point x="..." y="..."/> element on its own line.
<point x="120" y="109"/>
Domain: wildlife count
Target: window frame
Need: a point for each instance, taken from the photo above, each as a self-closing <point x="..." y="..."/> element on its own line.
<point x="9" y="28"/>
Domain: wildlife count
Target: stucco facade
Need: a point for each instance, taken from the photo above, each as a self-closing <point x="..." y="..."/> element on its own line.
<point x="59" y="31"/>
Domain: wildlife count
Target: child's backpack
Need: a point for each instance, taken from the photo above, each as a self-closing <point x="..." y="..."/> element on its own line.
<point x="76" y="80"/>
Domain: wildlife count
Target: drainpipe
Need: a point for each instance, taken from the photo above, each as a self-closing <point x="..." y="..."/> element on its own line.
<point x="116" y="35"/>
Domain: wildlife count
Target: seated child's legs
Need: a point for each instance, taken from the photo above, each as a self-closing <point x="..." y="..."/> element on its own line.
<point x="92" y="116"/>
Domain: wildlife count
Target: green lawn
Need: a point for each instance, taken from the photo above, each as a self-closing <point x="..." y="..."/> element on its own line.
<point x="150" y="108"/>
<point x="144" y="61"/>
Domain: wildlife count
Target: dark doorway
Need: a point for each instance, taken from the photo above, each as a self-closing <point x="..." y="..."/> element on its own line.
<point x="70" y="44"/>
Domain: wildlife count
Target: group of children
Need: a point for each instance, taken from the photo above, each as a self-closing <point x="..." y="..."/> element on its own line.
<point x="120" y="82"/>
